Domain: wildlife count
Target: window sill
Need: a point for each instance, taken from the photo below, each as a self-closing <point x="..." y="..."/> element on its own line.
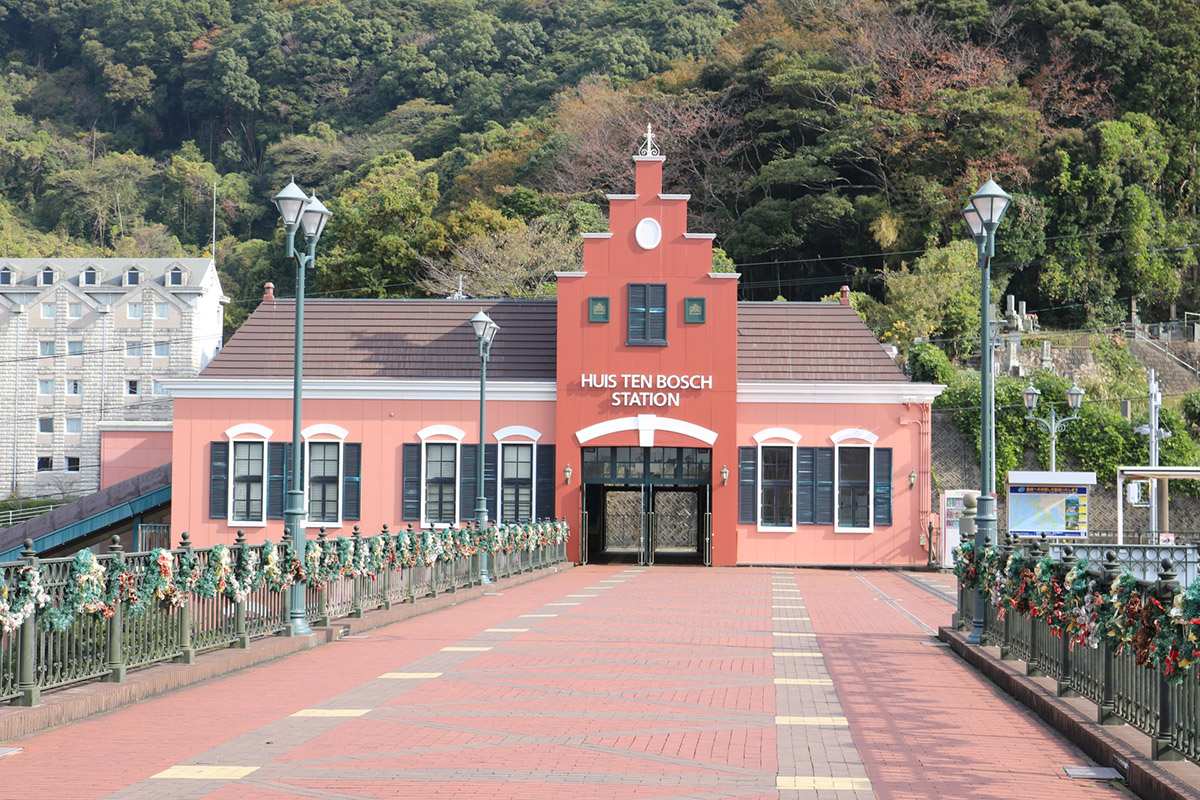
<point x="776" y="528"/>
<point x="247" y="523"/>
<point x="869" y="529"/>
<point x="646" y="343"/>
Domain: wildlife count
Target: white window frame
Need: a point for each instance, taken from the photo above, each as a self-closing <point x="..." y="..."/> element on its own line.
<point x="515" y="434"/>
<point x="164" y="346"/>
<point x="67" y="464"/>
<point x="324" y="433"/>
<point x="46" y="348"/>
<point x="132" y="277"/>
<point x="133" y="348"/>
<point x="89" y="277"/>
<point x="67" y="426"/>
<point x="74" y="341"/>
<point x="774" y="437"/>
<point x="135" y="384"/>
<point x="441" y="434"/>
<point x="129" y="310"/>
<point x="6" y="277"/>
<point x="75" y="310"/>
<point x="853" y="437"/>
<point x="175" y="276"/>
<point x="159" y="389"/>
<point x="165" y="307"/>
<point x="50" y="310"/>
<point x="41" y="426"/>
<point x="74" y="383"/>
<point x="42" y="276"/>
<point x="44" y="383"/>
<point x="249" y="432"/>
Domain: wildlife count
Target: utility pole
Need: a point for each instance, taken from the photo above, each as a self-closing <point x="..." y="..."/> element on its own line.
<point x="1155" y="402"/>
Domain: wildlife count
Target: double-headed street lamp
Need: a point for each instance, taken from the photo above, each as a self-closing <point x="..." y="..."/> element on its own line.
<point x="983" y="216"/>
<point x="485" y="333"/>
<point x="299" y="211"/>
<point x="1053" y="425"/>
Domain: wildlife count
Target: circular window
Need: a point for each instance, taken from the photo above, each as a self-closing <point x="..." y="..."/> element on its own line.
<point x="648" y="233"/>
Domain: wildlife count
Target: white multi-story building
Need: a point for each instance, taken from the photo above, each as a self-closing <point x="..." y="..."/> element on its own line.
<point x="87" y="344"/>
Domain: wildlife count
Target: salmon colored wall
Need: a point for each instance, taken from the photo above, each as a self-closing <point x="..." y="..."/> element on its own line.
<point x="382" y="426"/>
<point x="595" y="348"/>
<point x="125" y="454"/>
<point x="898" y="543"/>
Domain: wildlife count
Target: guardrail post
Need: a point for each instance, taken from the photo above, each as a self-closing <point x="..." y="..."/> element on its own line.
<point x="187" y="653"/>
<point x="966" y="531"/>
<point x="322" y="619"/>
<point x="454" y="564"/>
<point x="27" y="683"/>
<point x="1066" y="683"/>
<point x="241" y="638"/>
<point x="1106" y="709"/>
<point x="387" y="570"/>
<point x="356" y="607"/>
<point x="412" y="569"/>
<point x="1162" y="738"/>
<point x="116" y="651"/>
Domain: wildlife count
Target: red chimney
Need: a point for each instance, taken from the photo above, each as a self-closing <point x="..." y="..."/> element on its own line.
<point x="845" y="295"/>
<point x="269" y="292"/>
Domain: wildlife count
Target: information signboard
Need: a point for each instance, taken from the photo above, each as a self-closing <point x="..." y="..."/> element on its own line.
<point x="1050" y="503"/>
<point x="952" y="508"/>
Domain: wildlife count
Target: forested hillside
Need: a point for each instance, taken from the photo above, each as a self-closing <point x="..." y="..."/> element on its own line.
<point x="823" y="141"/>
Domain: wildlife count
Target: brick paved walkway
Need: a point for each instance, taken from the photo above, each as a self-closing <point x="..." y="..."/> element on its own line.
<point x="600" y="682"/>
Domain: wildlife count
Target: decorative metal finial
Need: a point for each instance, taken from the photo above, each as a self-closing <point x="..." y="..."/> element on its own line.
<point x="649" y="147"/>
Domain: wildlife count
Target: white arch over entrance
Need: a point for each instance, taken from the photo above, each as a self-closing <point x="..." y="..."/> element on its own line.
<point x="646" y="425"/>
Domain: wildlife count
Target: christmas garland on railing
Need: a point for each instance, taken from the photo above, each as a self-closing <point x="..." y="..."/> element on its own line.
<point x="1126" y="615"/>
<point x="97" y="586"/>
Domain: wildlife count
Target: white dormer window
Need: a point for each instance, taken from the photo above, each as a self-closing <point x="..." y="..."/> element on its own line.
<point x="133" y="277"/>
<point x="90" y="277"/>
<point x="175" y="277"/>
<point x="46" y="277"/>
<point x="5" y="277"/>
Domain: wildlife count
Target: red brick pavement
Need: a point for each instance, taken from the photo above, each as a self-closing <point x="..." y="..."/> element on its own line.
<point x="658" y="684"/>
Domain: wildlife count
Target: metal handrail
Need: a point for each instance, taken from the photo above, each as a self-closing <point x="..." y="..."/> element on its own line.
<point x="1165" y="348"/>
<point x="15" y="515"/>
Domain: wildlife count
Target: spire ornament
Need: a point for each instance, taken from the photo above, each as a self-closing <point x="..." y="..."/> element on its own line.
<point x="649" y="147"/>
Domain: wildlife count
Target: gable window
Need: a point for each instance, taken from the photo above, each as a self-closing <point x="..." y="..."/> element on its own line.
<point x="440" y="474"/>
<point x="247" y="482"/>
<point x="647" y="314"/>
<point x="133" y="311"/>
<point x="162" y="311"/>
<point x="74" y="310"/>
<point x="516" y="483"/>
<point x="49" y="310"/>
<point x="45" y="349"/>
<point x="90" y="277"/>
<point x="175" y="277"/>
<point x="132" y="277"/>
<point x="47" y="277"/>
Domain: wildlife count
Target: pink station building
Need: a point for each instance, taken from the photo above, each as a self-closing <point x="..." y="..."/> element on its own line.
<point x="661" y="417"/>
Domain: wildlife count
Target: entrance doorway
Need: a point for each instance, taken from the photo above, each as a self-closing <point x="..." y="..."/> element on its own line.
<point x="646" y="505"/>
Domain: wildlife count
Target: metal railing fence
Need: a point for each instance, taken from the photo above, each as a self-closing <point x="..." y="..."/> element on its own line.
<point x="167" y="605"/>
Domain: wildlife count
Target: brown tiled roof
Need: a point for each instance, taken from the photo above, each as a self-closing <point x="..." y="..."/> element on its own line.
<point x="809" y="342"/>
<point x="432" y="339"/>
<point x="416" y="339"/>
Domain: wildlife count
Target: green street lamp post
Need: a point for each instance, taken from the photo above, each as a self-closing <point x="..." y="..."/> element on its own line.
<point x="485" y="333"/>
<point x="982" y="217"/>
<point x="1053" y="425"/>
<point x="298" y="210"/>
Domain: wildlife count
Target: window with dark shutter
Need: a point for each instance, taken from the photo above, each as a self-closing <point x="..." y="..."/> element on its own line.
<point x="883" y="486"/>
<point x="647" y="314"/>
<point x="351" y="480"/>
<point x="411" y="483"/>
<point x="545" y="481"/>
<point x="777" y="487"/>
<point x="489" y="479"/>
<point x="806" y="485"/>
<point x="467" y="493"/>
<point x="441" y="469"/>
<point x="218" y="480"/>
<point x="247" y="482"/>
<point x="516" y="483"/>
<point x="854" y="487"/>
<point x="324" y="483"/>
<point x="747" y="484"/>
<point x="823" y="513"/>
<point x="278" y="463"/>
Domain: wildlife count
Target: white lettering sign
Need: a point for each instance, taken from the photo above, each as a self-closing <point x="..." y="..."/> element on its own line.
<point x="647" y="384"/>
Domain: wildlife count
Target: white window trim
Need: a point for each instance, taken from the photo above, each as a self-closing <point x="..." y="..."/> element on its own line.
<point x="133" y="344"/>
<point x="67" y="426"/>
<point x="177" y="270"/>
<point x="42" y="276"/>
<point x="53" y="310"/>
<point x="6" y="277"/>
<point x="74" y="303"/>
<point x="324" y="433"/>
<point x="94" y="273"/>
<point x="853" y="437"/>
<point x="67" y="388"/>
<point x="249" y="432"/>
<point x="158" y="303"/>
<point x="166" y="342"/>
<point x="439" y="434"/>
<point x="774" y="437"/>
<point x="43" y="345"/>
<point x="125" y="277"/>
<point x="522" y="435"/>
<point x="141" y="307"/>
<point x="52" y="387"/>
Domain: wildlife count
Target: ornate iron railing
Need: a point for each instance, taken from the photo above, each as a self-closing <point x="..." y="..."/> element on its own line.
<point x="57" y="628"/>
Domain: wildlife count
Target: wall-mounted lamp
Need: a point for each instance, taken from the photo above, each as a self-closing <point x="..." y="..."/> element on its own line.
<point x="912" y="479"/>
<point x="724" y="474"/>
<point x="567" y="473"/>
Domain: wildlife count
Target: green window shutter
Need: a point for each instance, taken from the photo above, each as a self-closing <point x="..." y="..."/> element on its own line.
<point x="545" y="481"/>
<point x="351" y="480"/>
<point x="468" y="463"/>
<point x="411" y="489"/>
<point x="883" y="486"/>
<point x="278" y="460"/>
<point x="806" y="485"/>
<point x="218" y="480"/>
<point x="823" y="507"/>
<point x="748" y="484"/>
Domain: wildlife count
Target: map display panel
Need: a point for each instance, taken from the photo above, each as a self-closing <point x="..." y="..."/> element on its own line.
<point x="1058" y="511"/>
